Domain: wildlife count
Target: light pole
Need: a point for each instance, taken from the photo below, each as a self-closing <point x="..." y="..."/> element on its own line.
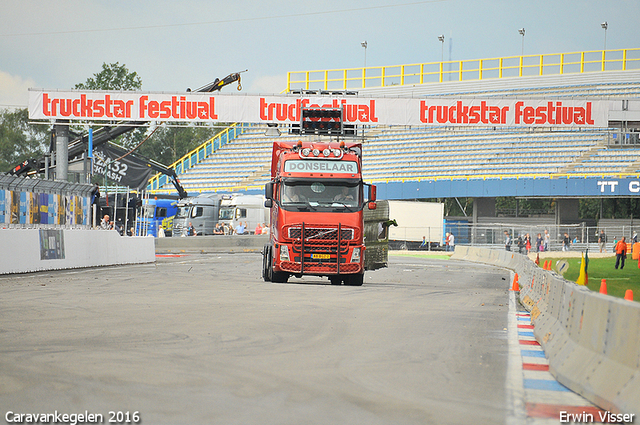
<point x="364" y="44"/>
<point x="441" y="40"/>
<point x="604" y="26"/>
<point x="521" y="32"/>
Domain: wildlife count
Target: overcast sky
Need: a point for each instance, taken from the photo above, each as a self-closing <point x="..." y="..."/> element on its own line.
<point x="173" y="45"/>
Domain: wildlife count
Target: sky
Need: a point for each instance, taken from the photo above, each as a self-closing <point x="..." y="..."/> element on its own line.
<point x="173" y="45"/>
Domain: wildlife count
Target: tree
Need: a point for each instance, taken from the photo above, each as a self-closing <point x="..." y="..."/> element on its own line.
<point x="20" y="140"/>
<point x="168" y="144"/>
<point x="116" y="77"/>
<point x="112" y="77"/>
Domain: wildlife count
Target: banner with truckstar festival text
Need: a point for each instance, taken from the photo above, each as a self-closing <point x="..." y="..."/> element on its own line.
<point x="97" y="106"/>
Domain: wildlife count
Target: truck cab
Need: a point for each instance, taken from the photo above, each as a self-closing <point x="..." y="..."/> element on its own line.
<point x="201" y="211"/>
<point x="248" y="209"/>
<point x="316" y="199"/>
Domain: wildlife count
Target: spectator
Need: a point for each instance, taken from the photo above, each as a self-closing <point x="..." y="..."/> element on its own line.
<point x="452" y="242"/>
<point x="240" y="229"/>
<point x="547" y="239"/>
<point x="520" y="244"/>
<point x="446" y="241"/>
<point x="106" y="223"/>
<point x="635" y="237"/>
<point x="566" y="242"/>
<point x="507" y="241"/>
<point x="265" y="229"/>
<point x="539" y="243"/>
<point x="219" y="229"/>
<point x="258" y="230"/>
<point x="621" y="253"/>
<point x="424" y="242"/>
<point x="191" y="231"/>
<point x="527" y="243"/>
<point x="602" y="241"/>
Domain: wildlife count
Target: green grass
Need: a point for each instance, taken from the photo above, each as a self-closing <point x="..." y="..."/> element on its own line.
<point x="618" y="281"/>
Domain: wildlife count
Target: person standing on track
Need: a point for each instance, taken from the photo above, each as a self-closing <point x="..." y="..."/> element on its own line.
<point x="621" y="252"/>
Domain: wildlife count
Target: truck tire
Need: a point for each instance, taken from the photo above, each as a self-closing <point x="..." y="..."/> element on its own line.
<point x="335" y="280"/>
<point x="354" y="279"/>
<point x="279" y="277"/>
<point x="266" y="263"/>
<point x="268" y="274"/>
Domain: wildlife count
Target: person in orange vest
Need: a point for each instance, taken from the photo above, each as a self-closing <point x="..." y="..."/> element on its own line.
<point x="621" y="252"/>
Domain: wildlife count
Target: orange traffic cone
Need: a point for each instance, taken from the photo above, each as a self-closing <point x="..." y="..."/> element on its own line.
<point x="548" y="265"/>
<point x="628" y="295"/>
<point x="603" y="286"/>
<point x="516" y="285"/>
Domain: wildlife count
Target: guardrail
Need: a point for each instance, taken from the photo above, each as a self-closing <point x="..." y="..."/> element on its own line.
<point x="465" y="70"/>
<point x="591" y="340"/>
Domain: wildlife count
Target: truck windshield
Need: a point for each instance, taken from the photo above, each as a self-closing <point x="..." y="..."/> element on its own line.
<point x="226" y="213"/>
<point x="148" y="211"/>
<point x="324" y="195"/>
<point x="183" y="211"/>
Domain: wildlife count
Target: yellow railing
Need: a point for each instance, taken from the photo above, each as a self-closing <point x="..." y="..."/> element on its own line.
<point x="196" y="155"/>
<point x="465" y="70"/>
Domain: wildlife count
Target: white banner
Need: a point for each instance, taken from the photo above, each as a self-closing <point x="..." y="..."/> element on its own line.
<point x="206" y="107"/>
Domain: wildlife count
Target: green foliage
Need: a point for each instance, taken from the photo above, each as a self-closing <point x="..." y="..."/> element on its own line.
<point x="20" y="140"/>
<point x="611" y="208"/>
<point x="112" y="77"/>
<point x="168" y="144"/>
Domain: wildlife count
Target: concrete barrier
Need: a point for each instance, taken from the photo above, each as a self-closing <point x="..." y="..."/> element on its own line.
<point x="31" y="250"/>
<point x="211" y="244"/>
<point x="592" y="340"/>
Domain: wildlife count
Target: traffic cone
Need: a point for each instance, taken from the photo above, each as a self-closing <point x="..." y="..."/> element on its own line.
<point x="516" y="285"/>
<point x="547" y="265"/>
<point x="603" y="286"/>
<point x="628" y="295"/>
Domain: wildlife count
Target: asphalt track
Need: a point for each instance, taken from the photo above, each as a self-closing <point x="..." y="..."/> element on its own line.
<point x="201" y="339"/>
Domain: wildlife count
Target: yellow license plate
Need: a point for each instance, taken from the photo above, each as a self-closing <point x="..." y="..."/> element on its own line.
<point x="320" y="256"/>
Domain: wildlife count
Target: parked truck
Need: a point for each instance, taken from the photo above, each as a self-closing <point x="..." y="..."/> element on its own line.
<point x="201" y="211"/>
<point x="157" y="213"/>
<point x="248" y="209"/>
<point x="316" y="198"/>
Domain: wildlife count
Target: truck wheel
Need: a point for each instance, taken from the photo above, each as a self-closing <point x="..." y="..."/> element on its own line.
<point x="354" y="279"/>
<point x="266" y="263"/>
<point x="335" y="280"/>
<point x="279" y="277"/>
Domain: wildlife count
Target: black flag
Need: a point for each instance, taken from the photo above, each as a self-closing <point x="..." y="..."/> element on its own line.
<point x="127" y="171"/>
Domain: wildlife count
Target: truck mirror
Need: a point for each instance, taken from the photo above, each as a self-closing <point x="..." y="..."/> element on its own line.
<point x="372" y="193"/>
<point x="268" y="203"/>
<point x="268" y="190"/>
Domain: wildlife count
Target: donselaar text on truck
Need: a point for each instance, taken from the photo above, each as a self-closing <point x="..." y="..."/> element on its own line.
<point x="317" y="197"/>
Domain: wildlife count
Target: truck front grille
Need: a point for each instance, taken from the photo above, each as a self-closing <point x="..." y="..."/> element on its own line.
<point x="320" y="268"/>
<point x="321" y="234"/>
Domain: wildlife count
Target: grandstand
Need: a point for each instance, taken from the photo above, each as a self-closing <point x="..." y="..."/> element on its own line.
<point x="397" y="154"/>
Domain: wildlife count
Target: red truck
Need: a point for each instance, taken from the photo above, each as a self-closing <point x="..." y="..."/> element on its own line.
<point x="317" y="197"/>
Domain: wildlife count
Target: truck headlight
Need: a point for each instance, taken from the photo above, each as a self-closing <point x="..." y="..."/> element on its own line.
<point x="355" y="255"/>
<point x="284" y="253"/>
